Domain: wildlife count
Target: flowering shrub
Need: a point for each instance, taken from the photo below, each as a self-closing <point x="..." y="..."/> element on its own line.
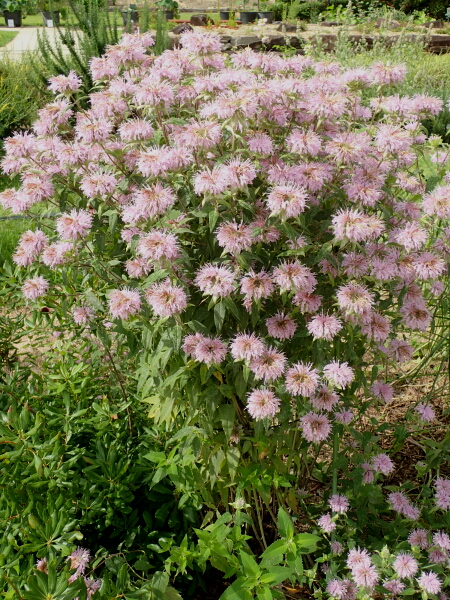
<point x="266" y="243"/>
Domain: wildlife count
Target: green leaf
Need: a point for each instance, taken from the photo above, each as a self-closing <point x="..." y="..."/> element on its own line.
<point x="226" y="413"/>
<point x="278" y="548"/>
<point x="304" y="540"/>
<point x="264" y="594"/>
<point x="251" y="568"/>
<point x="237" y="591"/>
<point x="219" y="315"/>
<point x="285" y="525"/>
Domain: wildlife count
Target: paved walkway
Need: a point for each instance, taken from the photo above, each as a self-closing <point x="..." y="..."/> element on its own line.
<point x="26" y="39"/>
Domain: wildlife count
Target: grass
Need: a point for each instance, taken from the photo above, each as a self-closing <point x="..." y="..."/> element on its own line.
<point x="6" y="37"/>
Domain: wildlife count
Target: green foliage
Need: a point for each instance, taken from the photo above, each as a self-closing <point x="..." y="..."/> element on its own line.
<point x="13" y="5"/>
<point x="18" y="100"/>
<point x="435" y="9"/>
<point x="87" y="34"/>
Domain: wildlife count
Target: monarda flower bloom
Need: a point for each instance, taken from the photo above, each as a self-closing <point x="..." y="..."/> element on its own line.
<point x="215" y="281"/>
<point x="419" y="537"/>
<point x="98" y="184"/>
<point x="154" y="200"/>
<point x="325" y="523"/>
<point x="339" y="503"/>
<point x="63" y="84"/>
<point x="293" y="276"/>
<point x="342" y="589"/>
<point x="315" y="428"/>
<point x="269" y="365"/>
<point x="302" y="380"/>
<point x="304" y="142"/>
<point x="260" y="143"/>
<point x="437" y="202"/>
<point x="429" y="582"/>
<point x="158" y="245"/>
<point x="356" y="226"/>
<point x="324" y="399"/>
<point x="287" y="200"/>
<point x="82" y="314"/>
<point x="210" y="350"/>
<point x="383" y="464"/>
<point x="354" y="298"/>
<point x="256" y="286"/>
<point x="74" y="225"/>
<point x="166" y="299"/>
<point x="124" y="303"/>
<point x="400" y="503"/>
<point x="235" y="237"/>
<point x="426" y="412"/>
<point x="34" y="288"/>
<point x="246" y="347"/>
<point x="135" y="130"/>
<point x="416" y="314"/>
<point x="281" y="326"/>
<point x="56" y="254"/>
<point x="262" y="404"/>
<point x="324" y="327"/>
<point x="400" y="351"/>
<point x="137" y="267"/>
<point x="382" y="391"/>
<point x="339" y="374"/>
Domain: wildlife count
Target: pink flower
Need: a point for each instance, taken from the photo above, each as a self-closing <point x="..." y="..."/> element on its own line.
<point x="210" y="350"/>
<point x="215" y="281"/>
<point x="343" y="416"/>
<point x="158" y="245"/>
<point x="395" y="586"/>
<point x="256" y="286"/>
<point x="388" y="74"/>
<point x="442" y="540"/>
<point x="357" y="557"/>
<point x="260" y="143"/>
<point x="365" y="575"/>
<point x="34" y="288"/>
<point x="234" y="237"/>
<point x="402" y="505"/>
<point x="419" y="537"/>
<point x="340" y="374"/>
<point x="428" y="266"/>
<point x="281" y="326"/>
<point x="416" y="314"/>
<point x="324" y="327"/>
<point x="425" y="412"/>
<point x="356" y="226"/>
<point x="74" y="225"/>
<point x="383" y="464"/>
<point x="63" y="84"/>
<point x="166" y="299"/>
<point x="56" y="254"/>
<point x="287" y="200"/>
<point x="325" y="523"/>
<point x="392" y="138"/>
<point x="308" y="303"/>
<point x="302" y="380"/>
<point x="246" y="347"/>
<point x="304" y="142"/>
<point x="269" y="365"/>
<point x="137" y="267"/>
<point x="137" y="129"/>
<point x="338" y="503"/>
<point x="437" y="202"/>
<point x="238" y="173"/>
<point x="98" y="184"/>
<point x="354" y="298"/>
<point x="315" y="428"/>
<point x="400" y="351"/>
<point x="429" y="582"/>
<point x="341" y="589"/>
<point x="324" y="399"/>
<point x="79" y="560"/>
<point x="262" y="404"/>
<point x="293" y="276"/>
<point x="124" y="303"/>
<point x="336" y="547"/>
<point x="82" y="314"/>
<point x="442" y="496"/>
<point x="33" y="242"/>
<point x="382" y="391"/>
<point x="191" y="342"/>
<point x="200" y="43"/>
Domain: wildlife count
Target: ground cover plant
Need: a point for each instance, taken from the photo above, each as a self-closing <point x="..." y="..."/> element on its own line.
<point x="250" y="246"/>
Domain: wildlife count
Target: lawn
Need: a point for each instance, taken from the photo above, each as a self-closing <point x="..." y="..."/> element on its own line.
<point x="6" y="37"/>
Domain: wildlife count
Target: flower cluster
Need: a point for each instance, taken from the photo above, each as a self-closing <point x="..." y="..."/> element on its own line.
<point x="257" y="207"/>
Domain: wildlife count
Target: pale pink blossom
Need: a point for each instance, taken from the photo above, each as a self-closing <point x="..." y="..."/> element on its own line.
<point x="82" y="314"/>
<point x="339" y="374"/>
<point x="419" y="538"/>
<point x="269" y="365"/>
<point x="281" y="326"/>
<point x="315" y="428"/>
<point x="215" y="281"/>
<point x="442" y="497"/>
<point x="56" y="254"/>
<point x="74" y="225"/>
<point x="288" y="200"/>
<point x="293" y="276"/>
<point x="246" y="347"/>
<point x="425" y="412"/>
<point x="166" y="299"/>
<point x="302" y="380"/>
<point x="383" y="464"/>
<point x="324" y="399"/>
<point x="429" y="582"/>
<point x="262" y="404"/>
<point x="235" y="237"/>
<point x="382" y="391"/>
<point x="210" y="350"/>
<point x="325" y="523"/>
<point x="124" y="303"/>
<point x="324" y="327"/>
<point x="158" y="245"/>
<point x="339" y="503"/>
<point x="35" y="288"/>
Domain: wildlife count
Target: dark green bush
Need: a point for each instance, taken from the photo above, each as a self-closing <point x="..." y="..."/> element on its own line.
<point x="434" y="8"/>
